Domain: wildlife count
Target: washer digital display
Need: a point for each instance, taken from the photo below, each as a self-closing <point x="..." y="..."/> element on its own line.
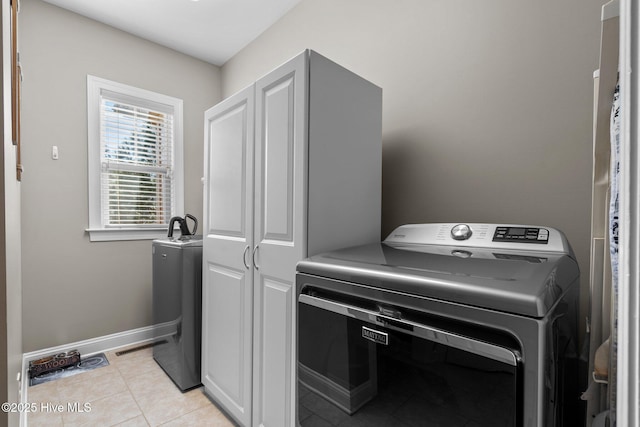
<point x="521" y="235"/>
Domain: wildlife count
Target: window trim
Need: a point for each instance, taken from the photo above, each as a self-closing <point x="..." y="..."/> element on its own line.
<point x="97" y="231"/>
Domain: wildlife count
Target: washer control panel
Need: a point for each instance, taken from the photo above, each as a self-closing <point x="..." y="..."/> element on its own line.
<point x="521" y="234"/>
<point x="529" y="238"/>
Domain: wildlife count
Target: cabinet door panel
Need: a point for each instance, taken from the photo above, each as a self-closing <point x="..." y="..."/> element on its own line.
<point x="280" y="235"/>
<point x="273" y="398"/>
<point x="225" y="344"/>
<point x="228" y="171"/>
<point x="281" y="163"/>
<point x="277" y="161"/>
<point x="227" y="239"/>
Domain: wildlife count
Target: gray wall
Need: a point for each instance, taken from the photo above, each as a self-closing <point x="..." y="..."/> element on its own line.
<point x="486" y="117"/>
<point x="74" y="289"/>
<point x="487" y="109"/>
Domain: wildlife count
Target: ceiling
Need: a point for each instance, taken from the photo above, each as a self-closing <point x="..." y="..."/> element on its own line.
<point x="210" y="30"/>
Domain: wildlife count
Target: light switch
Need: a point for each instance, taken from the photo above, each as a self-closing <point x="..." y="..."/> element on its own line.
<point x="54" y="152"/>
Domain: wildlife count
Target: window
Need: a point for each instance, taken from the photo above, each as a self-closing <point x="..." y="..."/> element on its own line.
<point x="135" y="161"/>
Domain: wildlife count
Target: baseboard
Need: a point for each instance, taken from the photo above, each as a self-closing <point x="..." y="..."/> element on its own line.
<point x="91" y="346"/>
<point x="96" y="345"/>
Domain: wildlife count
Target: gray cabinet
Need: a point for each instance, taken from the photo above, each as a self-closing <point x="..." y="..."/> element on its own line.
<point x="292" y="168"/>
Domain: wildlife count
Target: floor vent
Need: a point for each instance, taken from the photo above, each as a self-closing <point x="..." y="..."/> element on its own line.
<point x="142" y="347"/>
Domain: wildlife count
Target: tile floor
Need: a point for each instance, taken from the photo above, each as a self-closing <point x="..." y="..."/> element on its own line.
<point x="132" y="391"/>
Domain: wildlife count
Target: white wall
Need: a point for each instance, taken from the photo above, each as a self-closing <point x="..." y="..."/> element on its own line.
<point x="75" y="289"/>
<point x="487" y="105"/>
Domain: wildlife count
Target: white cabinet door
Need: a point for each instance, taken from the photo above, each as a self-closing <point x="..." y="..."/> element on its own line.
<point x="227" y="243"/>
<point x="279" y="237"/>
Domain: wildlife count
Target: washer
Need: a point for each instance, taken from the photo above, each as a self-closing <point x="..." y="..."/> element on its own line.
<point x="441" y="324"/>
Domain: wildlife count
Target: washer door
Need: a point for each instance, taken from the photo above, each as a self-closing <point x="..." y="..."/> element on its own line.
<point x="363" y="364"/>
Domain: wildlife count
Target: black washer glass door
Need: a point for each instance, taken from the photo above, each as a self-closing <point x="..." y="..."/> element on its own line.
<point x="348" y="376"/>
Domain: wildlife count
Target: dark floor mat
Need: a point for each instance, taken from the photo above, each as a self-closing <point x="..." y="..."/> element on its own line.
<point x="86" y="364"/>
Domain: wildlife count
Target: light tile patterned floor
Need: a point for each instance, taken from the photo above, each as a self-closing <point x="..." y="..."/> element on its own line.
<point x="132" y="391"/>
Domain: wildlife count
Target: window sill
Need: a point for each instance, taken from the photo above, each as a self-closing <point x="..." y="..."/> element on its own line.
<point x="115" y="234"/>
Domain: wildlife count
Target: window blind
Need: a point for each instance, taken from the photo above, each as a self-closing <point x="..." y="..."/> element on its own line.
<point x="136" y="146"/>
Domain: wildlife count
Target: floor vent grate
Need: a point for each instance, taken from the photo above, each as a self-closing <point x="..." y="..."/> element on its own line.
<point x="142" y="347"/>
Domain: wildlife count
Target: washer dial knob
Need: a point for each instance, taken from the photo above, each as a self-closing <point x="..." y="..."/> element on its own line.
<point x="461" y="232"/>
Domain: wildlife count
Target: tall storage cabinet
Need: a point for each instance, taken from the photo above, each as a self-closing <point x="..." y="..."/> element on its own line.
<point x="292" y="168"/>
